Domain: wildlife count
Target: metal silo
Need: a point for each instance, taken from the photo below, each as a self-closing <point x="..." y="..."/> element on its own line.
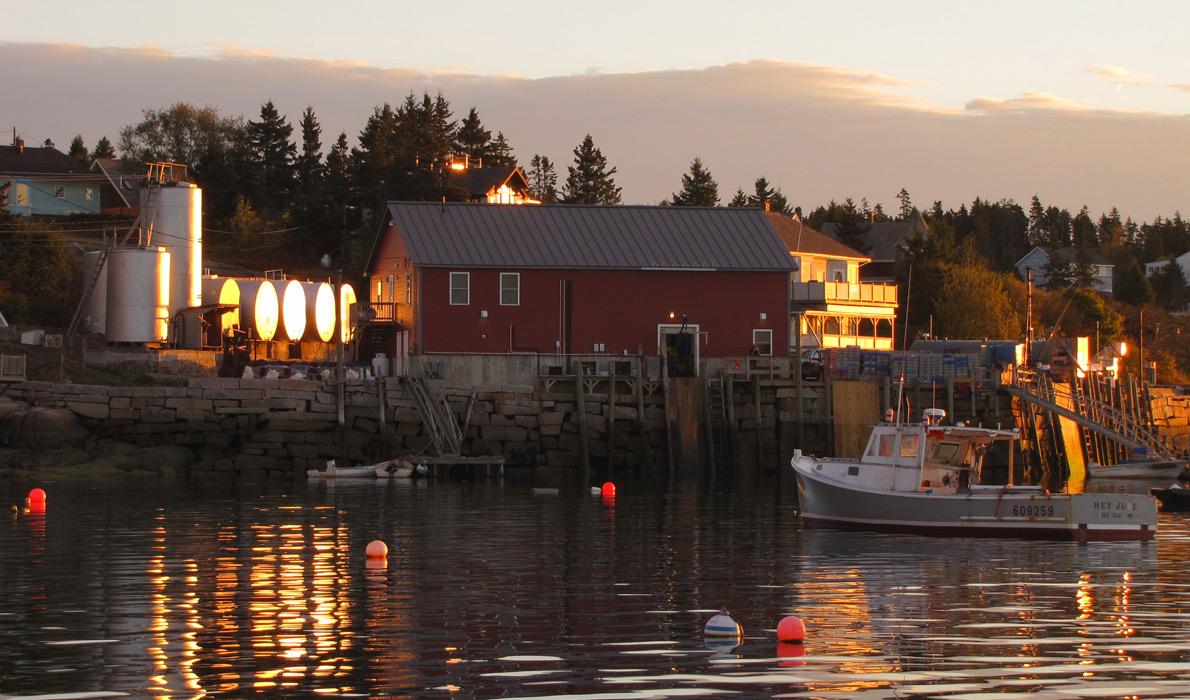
<point x="175" y="214"/>
<point x="138" y="295"/>
<point x="293" y="309"/>
<point x="347" y="306"/>
<point x="95" y="314"/>
<point x="225" y="292"/>
<point x="320" y="311"/>
<point x="260" y="310"/>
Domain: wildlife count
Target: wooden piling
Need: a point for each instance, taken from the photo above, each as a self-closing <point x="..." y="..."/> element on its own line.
<point x="611" y="427"/>
<point x="580" y="400"/>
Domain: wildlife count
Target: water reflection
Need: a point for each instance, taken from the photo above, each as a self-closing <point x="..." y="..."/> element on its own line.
<point x="488" y="590"/>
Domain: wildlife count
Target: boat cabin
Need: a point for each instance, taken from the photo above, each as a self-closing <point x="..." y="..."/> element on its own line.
<point x="927" y="456"/>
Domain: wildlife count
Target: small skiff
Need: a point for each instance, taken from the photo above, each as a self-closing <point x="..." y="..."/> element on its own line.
<point x="399" y="469"/>
<point x="334" y="471"/>
<point x="1144" y="469"/>
<point x="1175" y="499"/>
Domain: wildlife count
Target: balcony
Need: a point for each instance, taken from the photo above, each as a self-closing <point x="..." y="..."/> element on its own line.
<point x="846" y="292"/>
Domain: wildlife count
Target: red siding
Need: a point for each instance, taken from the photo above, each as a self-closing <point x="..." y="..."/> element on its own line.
<point x="392" y="259"/>
<point x="620" y="308"/>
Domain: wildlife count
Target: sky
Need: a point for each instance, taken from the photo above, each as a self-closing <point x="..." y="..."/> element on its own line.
<point x="1080" y="102"/>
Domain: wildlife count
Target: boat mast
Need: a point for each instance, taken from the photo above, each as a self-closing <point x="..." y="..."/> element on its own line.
<point x="904" y="344"/>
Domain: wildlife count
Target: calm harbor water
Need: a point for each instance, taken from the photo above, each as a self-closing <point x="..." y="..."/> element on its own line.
<point x="184" y="589"/>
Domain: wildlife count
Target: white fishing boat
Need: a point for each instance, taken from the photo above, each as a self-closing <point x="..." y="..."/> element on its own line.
<point x="334" y="471"/>
<point x="929" y="478"/>
<point x="1141" y="469"/>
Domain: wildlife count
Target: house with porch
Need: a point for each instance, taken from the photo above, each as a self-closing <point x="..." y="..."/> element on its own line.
<point x="491" y="185"/>
<point x="831" y="307"/>
<point x="43" y="181"/>
<point x="685" y="283"/>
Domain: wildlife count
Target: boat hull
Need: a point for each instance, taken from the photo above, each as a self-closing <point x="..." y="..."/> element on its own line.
<point x="1028" y="513"/>
<point x="1137" y="470"/>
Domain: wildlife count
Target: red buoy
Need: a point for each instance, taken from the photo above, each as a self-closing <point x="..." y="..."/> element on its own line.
<point x="377" y="550"/>
<point x="36" y="497"/>
<point x="608" y="490"/>
<point x="791" y="629"/>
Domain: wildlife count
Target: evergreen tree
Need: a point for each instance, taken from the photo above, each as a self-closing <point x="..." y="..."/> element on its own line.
<point x="1169" y="286"/>
<point x="499" y="154"/>
<point x="309" y="204"/>
<point x="1111" y="230"/>
<point x="1036" y="222"/>
<point x="906" y="205"/>
<point x="780" y="204"/>
<point x="1083" y="232"/>
<point x="1132" y="287"/>
<point x="739" y="199"/>
<point x="472" y="139"/>
<point x="851" y="226"/>
<point x="271" y="157"/>
<point x="543" y="180"/>
<point x="878" y="213"/>
<point x="103" y="149"/>
<point x="48" y="143"/>
<point x="590" y="180"/>
<point x="699" y="189"/>
<point x="762" y="193"/>
<point x="78" y="150"/>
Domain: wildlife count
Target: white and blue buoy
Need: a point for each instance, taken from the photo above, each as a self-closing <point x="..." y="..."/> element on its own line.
<point x="723" y="625"/>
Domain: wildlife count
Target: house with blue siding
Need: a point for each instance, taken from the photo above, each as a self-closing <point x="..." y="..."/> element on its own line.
<point x="45" y="182"/>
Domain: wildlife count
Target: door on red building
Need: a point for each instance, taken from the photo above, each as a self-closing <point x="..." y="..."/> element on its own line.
<point x="678" y="345"/>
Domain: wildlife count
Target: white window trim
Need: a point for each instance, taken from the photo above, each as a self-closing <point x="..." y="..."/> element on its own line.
<point x="757" y="344"/>
<point x="517" y="275"/>
<point x="451" y="289"/>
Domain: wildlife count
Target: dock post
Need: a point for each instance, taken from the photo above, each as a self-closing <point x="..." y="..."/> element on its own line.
<point x="799" y="401"/>
<point x="756" y="407"/>
<point x="729" y="400"/>
<point x="611" y="426"/>
<point x="580" y="401"/>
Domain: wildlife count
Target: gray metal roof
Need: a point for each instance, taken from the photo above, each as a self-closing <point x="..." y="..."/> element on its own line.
<point x="589" y="236"/>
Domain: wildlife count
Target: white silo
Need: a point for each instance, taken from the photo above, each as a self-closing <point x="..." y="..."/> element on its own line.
<point x="138" y="286"/>
<point x="347" y="306"/>
<point x="175" y="215"/>
<point x="95" y="313"/>
<point x="320" y="311"/>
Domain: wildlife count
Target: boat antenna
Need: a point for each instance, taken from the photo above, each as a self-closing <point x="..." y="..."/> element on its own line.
<point x="904" y="343"/>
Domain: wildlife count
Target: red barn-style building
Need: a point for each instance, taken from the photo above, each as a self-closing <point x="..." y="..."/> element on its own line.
<point x="685" y="282"/>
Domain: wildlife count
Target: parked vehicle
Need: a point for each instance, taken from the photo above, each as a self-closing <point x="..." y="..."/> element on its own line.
<point x="812" y="364"/>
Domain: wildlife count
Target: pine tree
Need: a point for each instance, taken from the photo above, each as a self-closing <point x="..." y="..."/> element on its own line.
<point x="543" y="180"/>
<point x="1169" y="286"/>
<point x="78" y="150"/>
<point x="739" y="199"/>
<point x="1036" y="222"/>
<point x="780" y="204"/>
<point x="699" y="189"/>
<point x="762" y="193"/>
<point x="906" y="205"/>
<point x="1131" y="285"/>
<point x="472" y="139"/>
<point x="499" y="153"/>
<point x="851" y="226"/>
<point x="271" y="156"/>
<point x="103" y="149"/>
<point x="589" y="180"/>
<point x="309" y="203"/>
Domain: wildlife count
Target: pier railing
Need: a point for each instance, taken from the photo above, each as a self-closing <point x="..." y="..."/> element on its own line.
<point x="1090" y="413"/>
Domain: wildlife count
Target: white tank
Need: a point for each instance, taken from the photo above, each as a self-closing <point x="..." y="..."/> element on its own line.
<point x="226" y="292"/>
<point x="95" y="314"/>
<point x="260" y="309"/>
<point x="293" y="309"/>
<point x="320" y="311"/>
<point x="347" y="306"/>
<point x="176" y="216"/>
<point x="138" y="295"/>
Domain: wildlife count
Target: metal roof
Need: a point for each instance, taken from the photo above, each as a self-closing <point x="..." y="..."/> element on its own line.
<point x="589" y="236"/>
<point x="35" y="160"/>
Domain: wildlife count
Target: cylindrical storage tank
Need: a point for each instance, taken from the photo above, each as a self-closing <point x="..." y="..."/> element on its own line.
<point x="347" y="304"/>
<point x="293" y="309"/>
<point x="138" y="295"/>
<point x="95" y="314"/>
<point x="176" y="218"/>
<point x="225" y="292"/>
<point x="260" y="309"/>
<point x="320" y="311"/>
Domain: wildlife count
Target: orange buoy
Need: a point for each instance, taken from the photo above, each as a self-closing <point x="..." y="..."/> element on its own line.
<point x="791" y="629"/>
<point x="377" y="550"/>
<point x="608" y="490"/>
<point x="36" y="497"/>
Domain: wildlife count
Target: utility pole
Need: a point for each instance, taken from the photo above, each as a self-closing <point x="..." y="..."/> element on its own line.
<point x="1028" y="316"/>
<point x="1140" y="337"/>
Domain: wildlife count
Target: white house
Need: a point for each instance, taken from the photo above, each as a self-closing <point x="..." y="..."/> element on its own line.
<point x="1182" y="260"/>
<point x="1038" y="259"/>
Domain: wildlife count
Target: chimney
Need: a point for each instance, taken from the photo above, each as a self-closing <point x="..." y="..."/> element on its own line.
<point x="17" y="141"/>
<point x="768" y="206"/>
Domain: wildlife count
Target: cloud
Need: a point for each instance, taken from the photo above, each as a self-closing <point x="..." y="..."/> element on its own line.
<point x="1029" y="101"/>
<point x="1121" y="76"/>
<point x="1184" y="87"/>
<point x="820" y="132"/>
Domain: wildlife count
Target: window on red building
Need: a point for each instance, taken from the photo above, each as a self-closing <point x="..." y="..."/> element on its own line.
<point x="460" y="288"/>
<point x="510" y="289"/>
<point x="762" y="340"/>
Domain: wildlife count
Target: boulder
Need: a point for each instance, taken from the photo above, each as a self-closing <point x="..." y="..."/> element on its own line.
<point x="42" y="428"/>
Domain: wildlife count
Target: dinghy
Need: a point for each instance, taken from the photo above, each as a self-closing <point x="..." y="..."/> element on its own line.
<point x="1143" y="469"/>
<point x="334" y="471"/>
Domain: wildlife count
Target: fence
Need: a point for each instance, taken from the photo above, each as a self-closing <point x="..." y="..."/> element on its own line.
<point x="12" y="368"/>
